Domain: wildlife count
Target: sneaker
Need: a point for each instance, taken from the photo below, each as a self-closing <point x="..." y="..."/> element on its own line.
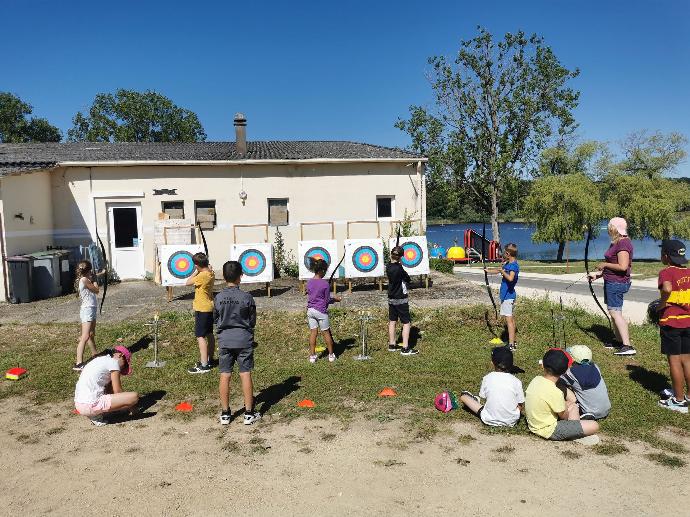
<point x="78" y="367"/>
<point x="225" y="417"/>
<point x="625" y="350"/>
<point x="251" y="417"/>
<point x="592" y="439"/>
<point x="394" y="348"/>
<point x="675" y="405"/>
<point x="98" y="420"/>
<point x="613" y="346"/>
<point x="470" y="394"/>
<point x="587" y="416"/>
<point x="512" y="347"/>
<point x="331" y="358"/>
<point x="200" y="368"/>
<point x="409" y="351"/>
<point x="313" y="358"/>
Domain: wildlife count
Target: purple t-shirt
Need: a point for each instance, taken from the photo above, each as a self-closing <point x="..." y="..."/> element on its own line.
<point x="611" y="257"/>
<point x="319" y="295"/>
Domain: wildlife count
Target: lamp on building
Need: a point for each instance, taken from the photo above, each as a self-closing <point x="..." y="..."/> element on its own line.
<point x="243" y="196"/>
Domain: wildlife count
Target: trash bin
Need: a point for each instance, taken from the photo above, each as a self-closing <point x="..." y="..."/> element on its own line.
<point x="46" y="274"/>
<point x="66" y="271"/>
<point x="20" y="272"/>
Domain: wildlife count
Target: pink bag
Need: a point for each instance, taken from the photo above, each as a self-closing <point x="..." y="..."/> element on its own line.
<point x="446" y="401"/>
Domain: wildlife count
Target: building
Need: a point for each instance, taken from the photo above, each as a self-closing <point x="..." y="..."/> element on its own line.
<point x="59" y="194"/>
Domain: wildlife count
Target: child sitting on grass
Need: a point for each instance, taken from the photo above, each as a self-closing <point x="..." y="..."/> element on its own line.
<point x="548" y="413"/>
<point x="585" y="380"/>
<point x="319" y="298"/>
<point x="99" y="390"/>
<point x="502" y="391"/>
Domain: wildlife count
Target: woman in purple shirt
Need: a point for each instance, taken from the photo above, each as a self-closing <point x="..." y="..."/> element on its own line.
<point x="616" y="272"/>
<point x="319" y="298"/>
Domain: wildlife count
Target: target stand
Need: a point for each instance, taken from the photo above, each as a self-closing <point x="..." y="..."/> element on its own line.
<point x="364" y="318"/>
<point x="154" y="325"/>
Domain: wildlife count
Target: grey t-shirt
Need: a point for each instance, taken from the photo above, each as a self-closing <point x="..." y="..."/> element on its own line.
<point x="590" y="389"/>
<point x="234" y="313"/>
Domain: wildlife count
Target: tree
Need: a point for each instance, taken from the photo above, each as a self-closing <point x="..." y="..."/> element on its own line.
<point x="16" y="127"/>
<point x="131" y="116"/>
<point x="496" y="106"/>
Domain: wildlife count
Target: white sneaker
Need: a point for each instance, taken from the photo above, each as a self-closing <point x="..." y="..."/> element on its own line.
<point x="98" y="421"/>
<point x="331" y="358"/>
<point x="313" y="358"/>
<point x="592" y="439"/>
<point x="250" y="418"/>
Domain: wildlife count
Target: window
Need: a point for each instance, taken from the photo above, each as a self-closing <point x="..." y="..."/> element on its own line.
<point x="126" y="227"/>
<point x="205" y="214"/>
<point x="278" y="212"/>
<point x="385" y="207"/>
<point x="174" y="209"/>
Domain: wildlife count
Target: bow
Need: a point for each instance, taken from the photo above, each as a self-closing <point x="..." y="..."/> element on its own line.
<point x="397" y="240"/>
<point x="203" y="238"/>
<point x="330" y="279"/>
<point x="589" y="278"/>
<point x="105" y="267"/>
<point x="486" y="275"/>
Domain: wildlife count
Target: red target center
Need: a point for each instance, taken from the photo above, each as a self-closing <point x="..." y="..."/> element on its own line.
<point x="366" y="259"/>
<point x="182" y="264"/>
<point x="252" y="262"/>
<point x="410" y="254"/>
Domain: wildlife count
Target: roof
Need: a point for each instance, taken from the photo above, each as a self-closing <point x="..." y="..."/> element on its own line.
<point x="24" y="157"/>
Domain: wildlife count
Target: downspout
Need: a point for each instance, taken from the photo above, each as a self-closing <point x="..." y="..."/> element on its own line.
<point x="3" y="257"/>
<point x="422" y="196"/>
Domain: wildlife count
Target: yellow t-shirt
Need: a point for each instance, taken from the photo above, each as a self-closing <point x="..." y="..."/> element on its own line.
<point x="203" y="291"/>
<point x="543" y="402"/>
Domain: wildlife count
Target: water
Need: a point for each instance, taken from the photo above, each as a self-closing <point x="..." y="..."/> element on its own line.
<point x="521" y="234"/>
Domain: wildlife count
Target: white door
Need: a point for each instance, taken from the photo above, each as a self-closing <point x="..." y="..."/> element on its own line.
<point x="126" y="240"/>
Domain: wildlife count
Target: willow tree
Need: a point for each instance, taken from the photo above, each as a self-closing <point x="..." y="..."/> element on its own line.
<point x="497" y="104"/>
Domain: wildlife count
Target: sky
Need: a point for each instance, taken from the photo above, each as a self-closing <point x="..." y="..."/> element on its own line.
<point x="347" y="70"/>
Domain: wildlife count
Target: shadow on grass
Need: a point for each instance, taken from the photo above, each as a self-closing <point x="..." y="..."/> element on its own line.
<point x="149" y="399"/>
<point x="140" y="344"/>
<point x="270" y="396"/>
<point x="341" y="345"/>
<point x="648" y="379"/>
<point x="146" y="402"/>
<point x="599" y="332"/>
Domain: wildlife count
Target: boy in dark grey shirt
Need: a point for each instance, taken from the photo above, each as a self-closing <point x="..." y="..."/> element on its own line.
<point x="234" y="314"/>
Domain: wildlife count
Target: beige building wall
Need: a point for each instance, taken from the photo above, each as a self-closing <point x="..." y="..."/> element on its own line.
<point x="337" y="192"/>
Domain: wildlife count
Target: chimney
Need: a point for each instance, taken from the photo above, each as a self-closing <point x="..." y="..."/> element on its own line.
<point x="240" y="123"/>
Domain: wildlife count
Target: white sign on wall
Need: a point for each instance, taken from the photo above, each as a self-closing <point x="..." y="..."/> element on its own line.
<point x="256" y="261"/>
<point x="309" y="250"/>
<point x="415" y="257"/>
<point x="176" y="263"/>
<point x="364" y="258"/>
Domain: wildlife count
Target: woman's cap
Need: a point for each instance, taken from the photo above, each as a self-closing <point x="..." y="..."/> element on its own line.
<point x="620" y="225"/>
<point x="580" y="353"/>
<point x="128" y="358"/>
<point x="674" y="250"/>
<point x="502" y="357"/>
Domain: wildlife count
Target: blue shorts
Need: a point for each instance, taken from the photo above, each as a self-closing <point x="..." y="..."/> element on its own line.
<point x="613" y="294"/>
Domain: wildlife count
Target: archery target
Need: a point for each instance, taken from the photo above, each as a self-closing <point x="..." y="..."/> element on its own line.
<point x="415" y="257"/>
<point x="256" y="261"/>
<point x="326" y="250"/>
<point x="177" y="264"/>
<point x="364" y="258"/>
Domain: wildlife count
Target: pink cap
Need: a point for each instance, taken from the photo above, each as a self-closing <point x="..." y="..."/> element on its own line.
<point x="620" y="225"/>
<point x="128" y="358"/>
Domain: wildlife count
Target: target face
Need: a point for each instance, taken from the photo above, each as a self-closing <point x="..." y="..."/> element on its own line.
<point x="307" y="251"/>
<point x="180" y="264"/>
<point x="365" y="259"/>
<point x="412" y="254"/>
<point x="176" y="263"/>
<point x="253" y="262"/>
<point x="415" y="257"/>
<point x="316" y="253"/>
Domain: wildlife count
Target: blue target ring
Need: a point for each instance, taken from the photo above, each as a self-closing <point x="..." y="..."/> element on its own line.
<point x="253" y="262"/>
<point x="365" y="259"/>
<point x="314" y="253"/>
<point x="180" y="264"/>
<point x="412" y="254"/>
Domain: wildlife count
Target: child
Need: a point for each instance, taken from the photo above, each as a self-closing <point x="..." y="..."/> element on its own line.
<point x="319" y="298"/>
<point x="674" y="322"/>
<point x="585" y="380"/>
<point x="234" y="313"/>
<point x="398" y="306"/>
<point x="202" y="279"/>
<point x="87" y="290"/>
<point x="509" y="272"/>
<point x="99" y="390"/>
<point x="502" y="391"/>
<point x="545" y="404"/>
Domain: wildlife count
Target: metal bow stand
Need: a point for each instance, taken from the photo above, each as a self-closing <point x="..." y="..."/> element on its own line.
<point x="364" y="318"/>
<point x="154" y="324"/>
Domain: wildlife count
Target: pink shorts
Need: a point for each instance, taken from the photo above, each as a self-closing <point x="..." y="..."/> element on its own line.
<point x="102" y="405"/>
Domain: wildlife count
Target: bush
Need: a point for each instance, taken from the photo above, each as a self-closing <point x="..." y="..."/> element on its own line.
<point x="291" y="268"/>
<point x="442" y="265"/>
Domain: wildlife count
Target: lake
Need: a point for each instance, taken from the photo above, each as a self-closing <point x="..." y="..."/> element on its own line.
<point x="521" y="234"/>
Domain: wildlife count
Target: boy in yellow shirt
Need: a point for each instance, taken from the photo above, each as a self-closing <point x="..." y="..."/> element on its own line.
<point x="203" y="279"/>
<point x="548" y="413"/>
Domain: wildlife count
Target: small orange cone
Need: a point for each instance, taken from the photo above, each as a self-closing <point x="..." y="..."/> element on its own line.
<point x="306" y="403"/>
<point x="185" y="407"/>
<point x="387" y="392"/>
<point x="75" y="411"/>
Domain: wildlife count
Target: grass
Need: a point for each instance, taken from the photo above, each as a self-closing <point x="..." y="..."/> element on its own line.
<point x="666" y="460"/>
<point x="455" y="354"/>
<point x="609" y="448"/>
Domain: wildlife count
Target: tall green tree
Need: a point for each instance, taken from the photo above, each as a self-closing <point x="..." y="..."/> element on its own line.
<point x="131" y="116"/>
<point x="16" y="126"/>
<point x="497" y="104"/>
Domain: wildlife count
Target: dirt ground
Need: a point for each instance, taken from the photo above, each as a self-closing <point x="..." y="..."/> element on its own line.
<point x="132" y="300"/>
<point x="54" y="462"/>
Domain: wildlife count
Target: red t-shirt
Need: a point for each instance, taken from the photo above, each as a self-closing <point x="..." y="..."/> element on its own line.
<point x="611" y="257"/>
<point x="677" y="314"/>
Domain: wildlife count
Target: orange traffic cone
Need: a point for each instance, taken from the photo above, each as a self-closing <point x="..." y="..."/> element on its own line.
<point x="387" y="392"/>
<point x="185" y="407"/>
<point x="306" y="403"/>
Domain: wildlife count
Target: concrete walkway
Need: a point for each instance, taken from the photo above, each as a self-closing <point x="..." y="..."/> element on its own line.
<point x="572" y="288"/>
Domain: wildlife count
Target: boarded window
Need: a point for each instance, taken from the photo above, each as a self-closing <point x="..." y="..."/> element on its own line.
<point x="384" y="207"/>
<point x="205" y="214"/>
<point x="174" y="209"/>
<point x="278" y="212"/>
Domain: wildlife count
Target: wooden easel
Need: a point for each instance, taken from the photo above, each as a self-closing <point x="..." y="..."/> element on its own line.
<point x="423" y="278"/>
<point x="234" y="241"/>
<point x="301" y="237"/>
<point x="197" y="238"/>
<point x="378" y="235"/>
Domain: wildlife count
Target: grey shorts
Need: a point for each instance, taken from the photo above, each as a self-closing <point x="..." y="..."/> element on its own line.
<point x="317" y="320"/>
<point x="87" y="314"/>
<point x="244" y="357"/>
<point x="507" y="307"/>
<point x="567" y="430"/>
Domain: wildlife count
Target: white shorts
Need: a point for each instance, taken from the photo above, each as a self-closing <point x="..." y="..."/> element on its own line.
<point x="507" y="307"/>
<point x="317" y="320"/>
<point x="87" y="314"/>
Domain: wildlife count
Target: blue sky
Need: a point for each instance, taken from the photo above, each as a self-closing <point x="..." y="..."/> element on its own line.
<point x="337" y="70"/>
